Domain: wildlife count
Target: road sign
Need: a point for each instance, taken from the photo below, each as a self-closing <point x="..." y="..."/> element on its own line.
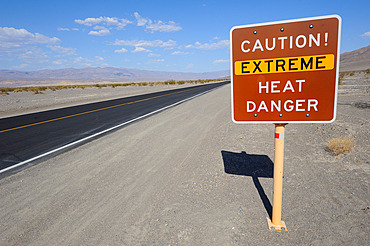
<point x="285" y="71"/>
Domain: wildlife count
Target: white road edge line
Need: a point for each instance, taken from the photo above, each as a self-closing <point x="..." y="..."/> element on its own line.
<point x="100" y="133"/>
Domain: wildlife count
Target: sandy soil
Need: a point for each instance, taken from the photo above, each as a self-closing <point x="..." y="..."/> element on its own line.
<point x="189" y="176"/>
<point x="355" y="65"/>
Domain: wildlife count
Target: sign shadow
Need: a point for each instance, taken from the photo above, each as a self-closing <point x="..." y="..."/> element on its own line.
<point x="255" y="166"/>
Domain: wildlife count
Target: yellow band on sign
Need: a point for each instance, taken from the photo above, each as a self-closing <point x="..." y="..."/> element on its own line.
<point x="285" y="65"/>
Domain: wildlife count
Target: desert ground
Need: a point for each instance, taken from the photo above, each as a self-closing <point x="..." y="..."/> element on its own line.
<point x="190" y="176"/>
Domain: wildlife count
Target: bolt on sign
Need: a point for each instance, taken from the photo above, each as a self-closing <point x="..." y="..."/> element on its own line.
<point x="285" y="71"/>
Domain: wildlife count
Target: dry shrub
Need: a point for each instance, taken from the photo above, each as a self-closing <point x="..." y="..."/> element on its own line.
<point x="37" y="91"/>
<point x="40" y="89"/>
<point x="341" y="144"/>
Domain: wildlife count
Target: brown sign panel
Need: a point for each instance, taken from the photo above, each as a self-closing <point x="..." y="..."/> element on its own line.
<point x="286" y="71"/>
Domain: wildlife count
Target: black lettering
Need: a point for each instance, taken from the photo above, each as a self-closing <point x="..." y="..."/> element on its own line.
<point x="291" y="63"/>
<point x="257" y="66"/>
<point x="244" y="66"/>
<point x="319" y="62"/>
<point x="280" y="65"/>
<point x="304" y="64"/>
<point x="268" y="64"/>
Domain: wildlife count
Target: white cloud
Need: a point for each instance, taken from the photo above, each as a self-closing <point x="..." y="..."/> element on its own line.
<point x="160" y="26"/>
<point x="140" y="49"/>
<point x="89" y="21"/>
<point x="109" y="21"/>
<point x="96" y="61"/>
<point x="67" y="29"/>
<point x="62" y="50"/>
<point x="123" y="50"/>
<point x="60" y="62"/>
<point x="154" y="55"/>
<point x="12" y="39"/>
<point x="145" y="43"/>
<point x="155" y="61"/>
<point x="169" y="44"/>
<point x="220" y="61"/>
<point x="102" y="32"/>
<point x="21" y="66"/>
<point x="125" y="42"/>
<point x="163" y="27"/>
<point x="209" y="46"/>
<point x="119" y="23"/>
<point x="140" y="20"/>
<point x="34" y="55"/>
<point x="366" y="35"/>
<point x="99" y="58"/>
<point x="179" y="53"/>
<point x="99" y="28"/>
<point x="190" y="66"/>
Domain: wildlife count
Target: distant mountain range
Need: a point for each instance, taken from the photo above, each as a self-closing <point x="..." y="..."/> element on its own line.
<point x="349" y="61"/>
<point x="355" y="60"/>
<point x="98" y="74"/>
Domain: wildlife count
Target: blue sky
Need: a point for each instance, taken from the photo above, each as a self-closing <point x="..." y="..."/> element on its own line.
<point x="181" y="36"/>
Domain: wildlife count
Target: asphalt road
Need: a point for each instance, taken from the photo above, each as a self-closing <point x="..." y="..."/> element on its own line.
<point x="26" y="139"/>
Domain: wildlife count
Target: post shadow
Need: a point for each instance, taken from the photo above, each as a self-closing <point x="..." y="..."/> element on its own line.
<point x="255" y="166"/>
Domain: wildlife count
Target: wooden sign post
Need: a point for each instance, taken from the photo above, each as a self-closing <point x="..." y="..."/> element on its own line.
<point x="285" y="72"/>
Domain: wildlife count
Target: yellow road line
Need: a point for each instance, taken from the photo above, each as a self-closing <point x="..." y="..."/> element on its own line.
<point x="91" y="111"/>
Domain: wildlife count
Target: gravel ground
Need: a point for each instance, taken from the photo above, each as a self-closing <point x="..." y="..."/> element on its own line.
<point x="189" y="176"/>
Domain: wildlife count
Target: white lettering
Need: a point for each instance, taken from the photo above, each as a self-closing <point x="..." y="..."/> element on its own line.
<point x="262" y="106"/>
<point x="304" y="41"/>
<point x="249" y="109"/>
<point x="273" y="86"/>
<point x="277" y="106"/>
<point x="312" y="103"/>
<point x="257" y="45"/>
<point x="267" y="44"/>
<point x="300" y="81"/>
<point x="260" y="87"/>
<point x="312" y="38"/>
<point x="288" y="86"/>
<point x="282" y="41"/>
<point x="243" y="43"/>
<point x="287" y="107"/>
<point x="298" y="104"/>
<point x="276" y="84"/>
<point x="291" y="42"/>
